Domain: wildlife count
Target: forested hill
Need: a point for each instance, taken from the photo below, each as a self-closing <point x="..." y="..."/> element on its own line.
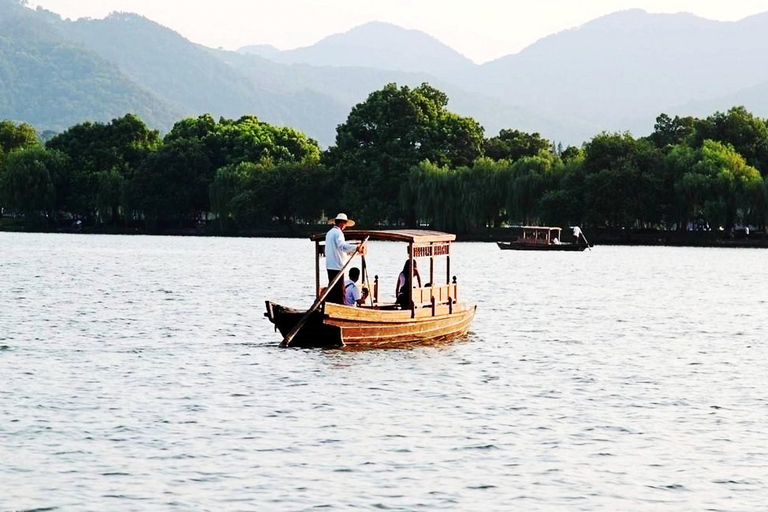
<point x="53" y="82"/>
<point x="615" y="73"/>
<point x="152" y="71"/>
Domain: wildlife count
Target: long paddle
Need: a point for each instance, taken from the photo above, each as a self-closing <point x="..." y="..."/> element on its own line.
<point x="296" y="328"/>
<point x="587" y="241"/>
<point x="366" y="284"/>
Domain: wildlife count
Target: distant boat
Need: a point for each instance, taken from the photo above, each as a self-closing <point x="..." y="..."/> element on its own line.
<point x="433" y="313"/>
<point x="541" y="238"/>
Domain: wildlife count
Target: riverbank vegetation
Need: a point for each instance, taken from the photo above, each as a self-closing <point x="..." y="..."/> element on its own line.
<point x="400" y="159"/>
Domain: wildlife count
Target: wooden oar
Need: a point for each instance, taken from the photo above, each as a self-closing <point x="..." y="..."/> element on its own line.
<point x="296" y="328"/>
<point x="587" y="241"/>
<point x="366" y="284"/>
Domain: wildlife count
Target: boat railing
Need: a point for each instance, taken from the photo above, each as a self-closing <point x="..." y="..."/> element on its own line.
<point x="445" y="294"/>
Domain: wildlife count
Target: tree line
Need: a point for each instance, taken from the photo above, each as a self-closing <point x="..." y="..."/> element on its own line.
<point x="400" y="159"/>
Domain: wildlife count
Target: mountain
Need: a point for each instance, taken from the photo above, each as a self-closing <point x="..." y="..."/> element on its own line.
<point x="314" y="99"/>
<point x="262" y="50"/>
<point x="756" y="97"/>
<point x="629" y="64"/>
<point x="350" y="86"/>
<point x="380" y="46"/>
<point x="615" y="73"/>
<point x="54" y="83"/>
<point x="183" y="74"/>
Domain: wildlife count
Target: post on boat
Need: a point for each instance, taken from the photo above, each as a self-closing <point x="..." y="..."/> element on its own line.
<point x="432" y="264"/>
<point x="410" y="288"/>
<point x="317" y="268"/>
<point x="448" y="268"/>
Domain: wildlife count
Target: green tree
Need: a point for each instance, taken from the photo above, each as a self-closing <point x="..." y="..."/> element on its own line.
<point x="530" y="179"/>
<point x="689" y="191"/>
<point x="729" y="184"/>
<point x="207" y="155"/>
<point x="28" y="184"/>
<point x="668" y="132"/>
<point x="746" y="133"/>
<point x="387" y="135"/>
<point x="562" y="204"/>
<point x="172" y="185"/>
<point x="487" y="191"/>
<point x="228" y="183"/>
<point x="245" y="140"/>
<point x="514" y="145"/>
<point x="16" y="136"/>
<point x="433" y="189"/>
<point x="102" y="157"/>
<point x="624" y="182"/>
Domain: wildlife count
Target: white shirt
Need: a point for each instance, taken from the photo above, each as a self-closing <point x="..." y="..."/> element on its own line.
<point x="576" y="231"/>
<point x="352" y="293"/>
<point x="335" y="248"/>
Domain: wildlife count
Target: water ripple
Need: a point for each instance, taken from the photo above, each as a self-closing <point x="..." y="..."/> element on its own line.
<point x="139" y="373"/>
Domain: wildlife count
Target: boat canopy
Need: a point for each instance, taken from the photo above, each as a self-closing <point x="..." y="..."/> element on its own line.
<point x="411" y="236"/>
<point x="541" y="229"/>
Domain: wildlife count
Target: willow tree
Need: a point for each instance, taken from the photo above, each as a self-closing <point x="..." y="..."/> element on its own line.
<point x="458" y="200"/>
<point x="28" y="184"/>
<point x="429" y="187"/>
<point x="689" y="190"/>
<point x="394" y="130"/>
<point x="530" y="178"/>
<point x="487" y="190"/>
<point x="731" y="186"/>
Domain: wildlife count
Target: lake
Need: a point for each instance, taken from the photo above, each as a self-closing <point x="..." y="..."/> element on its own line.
<point x="139" y="373"/>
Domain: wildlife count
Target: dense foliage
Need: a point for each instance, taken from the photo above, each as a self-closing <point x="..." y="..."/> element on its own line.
<point x="400" y="159"/>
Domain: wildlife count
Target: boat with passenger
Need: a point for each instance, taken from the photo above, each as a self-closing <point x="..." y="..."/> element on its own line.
<point x="433" y="312"/>
<point x="542" y="238"/>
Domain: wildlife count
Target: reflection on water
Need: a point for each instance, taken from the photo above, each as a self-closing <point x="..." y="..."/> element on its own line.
<point x="139" y="373"/>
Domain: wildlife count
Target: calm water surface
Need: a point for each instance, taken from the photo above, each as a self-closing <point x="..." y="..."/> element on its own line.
<point x="138" y="373"/>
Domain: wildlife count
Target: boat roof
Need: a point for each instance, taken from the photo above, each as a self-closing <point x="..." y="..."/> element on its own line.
<point x="542" y="228"/>
<point x="413" y="236"/>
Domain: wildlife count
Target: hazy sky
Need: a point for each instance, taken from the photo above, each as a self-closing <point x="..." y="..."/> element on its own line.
<point x="480" y="29"/>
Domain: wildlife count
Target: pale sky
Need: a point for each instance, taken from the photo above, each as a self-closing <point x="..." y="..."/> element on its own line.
<point x="481" y="30"/>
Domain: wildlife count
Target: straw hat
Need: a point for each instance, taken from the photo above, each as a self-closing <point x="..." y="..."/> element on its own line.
<point x="342" y="216"/>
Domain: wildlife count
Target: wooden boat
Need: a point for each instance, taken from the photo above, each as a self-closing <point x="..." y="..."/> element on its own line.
<point x="435" y="312"/>
<point x="541" y="238"/>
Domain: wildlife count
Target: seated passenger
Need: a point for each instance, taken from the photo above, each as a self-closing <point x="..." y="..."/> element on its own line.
<point x="353" y="296"/>
<point x="404" y="283"/>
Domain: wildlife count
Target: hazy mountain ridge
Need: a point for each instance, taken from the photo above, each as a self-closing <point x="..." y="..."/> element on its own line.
<point x="382" y="46"/>
<point x="617" y="72"/>
<point x="54" y="83"/>
<point x="630" y="64"/>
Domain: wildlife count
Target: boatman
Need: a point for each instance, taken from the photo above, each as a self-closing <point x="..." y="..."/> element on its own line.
<point x="576" y="234"/>
<point x="337" y="250"/>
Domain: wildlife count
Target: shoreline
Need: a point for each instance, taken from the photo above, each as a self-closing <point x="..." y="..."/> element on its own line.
<point x="624" y="238"/>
